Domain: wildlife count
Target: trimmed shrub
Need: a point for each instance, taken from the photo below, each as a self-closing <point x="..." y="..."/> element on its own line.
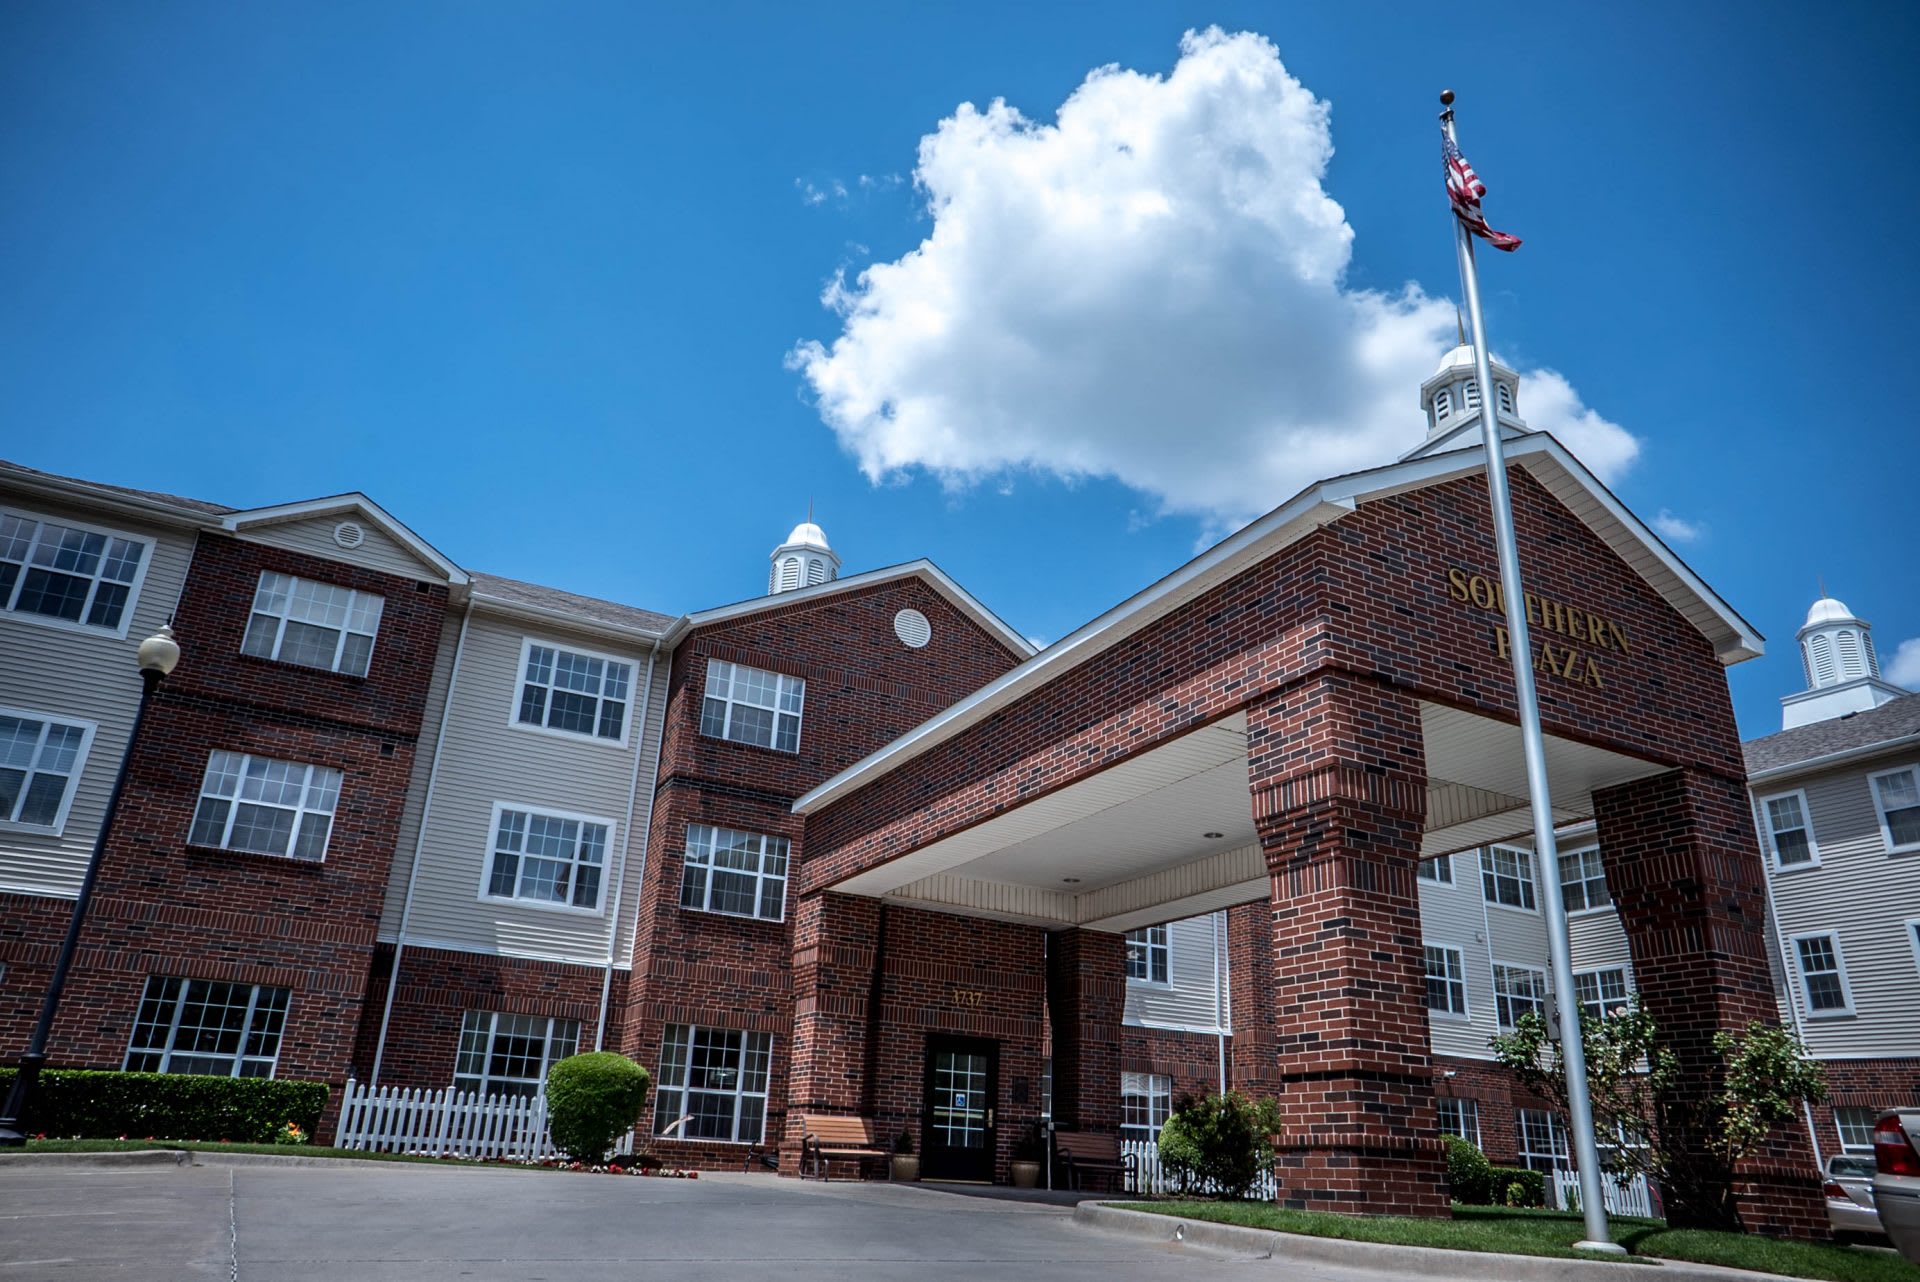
<point x="1518" y="1186"/>
<point x="591" y="1100"/>
<point x="79" y="1104"/>
<point x="1469" y="1173"/>
<point x="1219" y="1144"/>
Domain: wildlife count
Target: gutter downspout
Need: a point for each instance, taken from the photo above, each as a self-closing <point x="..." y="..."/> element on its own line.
<point x="620" y="873"/>
<point x="419" y="844"/>
<point x="1222" y="1003"/>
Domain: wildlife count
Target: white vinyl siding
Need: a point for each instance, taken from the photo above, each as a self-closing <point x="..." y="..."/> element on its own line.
<point x="548" y="858"/>
<point x="1455" y="915"/>
<point x="1192" y="997"/>
<point x="265" y="807"/>
<point x="1789" y="830"/>
<point x="314" y="536"/>
<point x="1896" y="798"/>
<point x="315" y="625"/>
<point x="1506" y="877"/>
<point x="739" y="874"/>
<point x="42" y="759"/>
<point x="1823" y="974"/>
<point x="748" y="705"/>
<point x="69" y="575"/>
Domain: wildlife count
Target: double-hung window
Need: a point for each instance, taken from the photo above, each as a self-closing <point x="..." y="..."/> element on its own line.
<point x="548" y="858"/>
<point x="68" y="572"/>
<point x="713" y="1084"/>
<point x="1148" y="955"/>
<point x="1543" y="1140"/>
<point x="743" y="874"/>
<point x="747" y="705"/>
<point x="1459" y="1117"/>
<point x="1856" y="1129"/>
<point x="265" y="807"/>
<point x="1146" y="1101"/>
<point x="1601" y="992"/>
<point x="1506" y="877"/>
<point x="197" y="1026"/>
<point x="1583" y="882"/>
<point x="1789" y="833"/>
<point x="1439" y="868"/>
<point x="1446" y="980"/>
<point x="40" y="764"/>
<point x="1823" y="975"/>
<point x="1896" y="795"/>
<point x="573" y="692"/>
<point x="1517" y="991"/>
<point x="316" y="625"/>
<point x="510" y="1054"/>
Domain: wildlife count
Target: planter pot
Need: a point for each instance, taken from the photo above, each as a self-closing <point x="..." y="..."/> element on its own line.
<point x="906" y="1167"/>
<point x="1024" y="1175"/>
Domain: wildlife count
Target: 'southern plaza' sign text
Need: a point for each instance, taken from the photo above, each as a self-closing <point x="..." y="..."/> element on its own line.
<point x="1575" y="663"/>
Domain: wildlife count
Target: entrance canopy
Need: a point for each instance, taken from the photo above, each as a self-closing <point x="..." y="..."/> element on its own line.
<point x="1169" y="833"/>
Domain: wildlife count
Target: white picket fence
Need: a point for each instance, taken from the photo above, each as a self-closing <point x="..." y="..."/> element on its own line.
<point x="447" y="1123"/>
<point x="1633" y="1199"/>
<point x="1153" y="1180"/>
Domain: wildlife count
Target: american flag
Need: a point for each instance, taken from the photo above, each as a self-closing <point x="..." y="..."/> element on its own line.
<point x="1465" y="189"/>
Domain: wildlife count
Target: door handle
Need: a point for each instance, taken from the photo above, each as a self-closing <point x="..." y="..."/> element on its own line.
<point x="989" y="1119"/>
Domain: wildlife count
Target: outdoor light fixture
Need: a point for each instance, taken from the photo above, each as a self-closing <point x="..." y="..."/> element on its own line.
<point x="1071" y="881"/>
<point x="158" y="655"/>
<point x="1213" y="836"/>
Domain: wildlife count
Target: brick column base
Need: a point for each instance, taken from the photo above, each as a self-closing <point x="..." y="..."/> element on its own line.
<point x="835" y="948"/>
<point x="1086" y="1002"/>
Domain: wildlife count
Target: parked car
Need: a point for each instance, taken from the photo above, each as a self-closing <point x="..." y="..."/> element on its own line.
<point x="1849" y="1190"/>
<point x="1896" y="1181"/>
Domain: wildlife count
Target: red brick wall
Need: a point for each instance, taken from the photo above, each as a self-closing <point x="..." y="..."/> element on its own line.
<point x="1086" y="999"/>
<point x="1191" y="1060"/>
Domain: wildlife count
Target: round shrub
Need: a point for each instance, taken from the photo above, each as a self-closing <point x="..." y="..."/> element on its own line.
<point x="591" y="1100"/>
<point x="1469" y="1173"/>
<point x="1219" y="1144"/>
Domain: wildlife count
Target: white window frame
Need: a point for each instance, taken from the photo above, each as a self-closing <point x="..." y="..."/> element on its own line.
<point x="239" y="1058"/>
<point x="1768" y="831"/>
<point x="1503" y="1001"/>
<point x="1840" y="969"/>
<point x="1157" y="1090"/>
<point x="683" y="1070"/>
<point x="1438" y="870"/>
<point x="763" y="847"/>
<point x="1626" y="985"/>
<point x="1469" y="1110"/>
<point x="1880" y="811"/>
<point x="1455" y="964"/>
<point x="1525" y="876"/>
<point x="1591" y="870"/>
<point x="550" y="1037"/>
<point x="1558" y="1157"/>
<point x="315" y="777"/>
<point x="1839" y="1128"/>
<point x="1154" y="942"/>
<point x="611" y="853"/>
<point x="520" y="684"/>
<point x="133" y="585"/>
<point x="47" y="721"/>
<point x="1913" y="939"/>
<point x="359" y="606"/>
<point x="782" y="685"/>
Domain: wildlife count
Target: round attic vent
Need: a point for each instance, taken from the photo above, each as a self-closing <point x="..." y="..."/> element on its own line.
<point x="912" y="628"/>
<point x="349" y="535"/>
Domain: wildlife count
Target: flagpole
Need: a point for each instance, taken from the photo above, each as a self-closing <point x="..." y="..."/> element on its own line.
<point x="1520" y="649"/>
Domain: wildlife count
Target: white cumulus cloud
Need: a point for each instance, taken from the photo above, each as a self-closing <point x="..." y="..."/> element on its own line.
<point x="1677" y="529"/>
<point x="1904" y="671"/>
<point x="1151" y="289"/>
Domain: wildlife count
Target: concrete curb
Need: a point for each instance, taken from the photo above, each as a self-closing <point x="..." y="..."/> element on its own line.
<point x="1389" y="1259"/>
<point x="197" y="1157"/>
<point x="135" y="1157"/>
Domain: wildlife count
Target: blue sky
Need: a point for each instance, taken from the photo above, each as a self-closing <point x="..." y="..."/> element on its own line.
<point x="536" y="277"/>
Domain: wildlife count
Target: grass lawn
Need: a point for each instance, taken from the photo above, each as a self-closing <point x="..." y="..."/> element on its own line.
<point x="1486" y="1228"/>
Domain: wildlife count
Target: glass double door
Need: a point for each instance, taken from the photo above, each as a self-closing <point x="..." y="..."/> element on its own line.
<point x="963" y="1090"/>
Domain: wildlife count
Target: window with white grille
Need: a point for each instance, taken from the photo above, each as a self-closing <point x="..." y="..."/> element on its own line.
<point x="265" y="807"/>
<point x="40" y="764"/>
<point x="1446" y="980"/>
<point x="1856" y="1128"/>
<point x="1439" y="868"/>
<point x="1146" y="1101"/>
<point x="1601" y="992"/>
<point x="197" y="1026"/>
<point x="743" y="874"/>
<point x="510" y="1054"/>
<point x="748" y="705"/>
<point x="1789" y="834"/>
<point x="1149" y="957"/>
<point x="1542" y="1140"/>
<point x="1823" y="975"/>
<point x="573" y="692"/>
<point x="316" y="625"/>
<point x="1506" y="877"/>
<point x="713" y="1084"/>
<point x="1896" y="796"/>
<point x="548" y="858"/>
<point x="68" y="573"/>
<point x="1517" y="991"/>
<point x="1583" y="881"/>
<point x="1459" y="1117"/>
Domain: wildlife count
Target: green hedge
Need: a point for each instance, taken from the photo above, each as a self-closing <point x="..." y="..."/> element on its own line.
<point x="76" y="1104"/>
<point x="1469" y="1174"/>
<point x="1532" y="1190"/>
<point x="592" y="1099"/>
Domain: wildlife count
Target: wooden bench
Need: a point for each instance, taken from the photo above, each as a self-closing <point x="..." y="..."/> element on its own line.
<point x="825" y="1138"/>
<point x="1083" y="1153"/>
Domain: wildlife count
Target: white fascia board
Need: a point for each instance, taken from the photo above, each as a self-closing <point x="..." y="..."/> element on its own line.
<point x="355" y="502"/>
<point x="155" y="511"/>
<point x="934" y="576"/>
<point x="1814" y="765"/>
<point x="573" y="622"/>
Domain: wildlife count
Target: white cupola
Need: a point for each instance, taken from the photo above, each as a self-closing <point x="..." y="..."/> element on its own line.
<point x="803" y="560"/>
<point x="1843" y="673"/>
<point x="1451" y="399"/>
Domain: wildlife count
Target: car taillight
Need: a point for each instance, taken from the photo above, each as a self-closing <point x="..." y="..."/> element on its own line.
<point x="1892" y="1151"/>
<point x="1832" y="1189"/>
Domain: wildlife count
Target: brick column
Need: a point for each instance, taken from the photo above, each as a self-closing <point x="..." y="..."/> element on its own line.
<point x="834" y="953"/>
<point x="1683" y="864"/>
<point x="1253" y="1064"/>
<point x="1337" y="768"/>
<point x="1086" y="1001"/>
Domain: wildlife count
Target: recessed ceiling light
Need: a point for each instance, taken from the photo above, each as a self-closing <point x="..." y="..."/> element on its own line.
<point x="1071" y="880"/>
<point x="1213" y="836"/>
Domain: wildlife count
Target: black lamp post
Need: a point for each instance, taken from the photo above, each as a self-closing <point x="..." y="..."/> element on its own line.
<point x="158" y="655"/>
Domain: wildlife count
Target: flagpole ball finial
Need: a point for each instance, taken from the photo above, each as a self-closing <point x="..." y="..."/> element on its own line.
<point x="1446" y="97"/>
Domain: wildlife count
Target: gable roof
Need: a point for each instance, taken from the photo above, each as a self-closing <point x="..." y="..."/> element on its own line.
<point x="539" y="601"/>
<point x="150" y="503"/>
<point x="922" y="569"/>
<point x="1838" y="739"/>
<point x="360" y="505"/>
<point x="1323" y="503"/>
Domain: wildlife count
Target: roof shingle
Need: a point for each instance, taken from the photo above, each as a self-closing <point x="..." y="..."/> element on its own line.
<point x="1895" y="720"/>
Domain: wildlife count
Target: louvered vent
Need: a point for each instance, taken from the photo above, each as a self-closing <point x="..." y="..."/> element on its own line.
<point x="1504" y="391"/>
<point x="349" y="535"/>
<point x="1820" y="661"/>
<point x="1473" y="396"/>
<point x="816" y="571"/>
<point x="1442" y="404"/>
<point x="1847" y="641"/>
<point x="912" y="628"/>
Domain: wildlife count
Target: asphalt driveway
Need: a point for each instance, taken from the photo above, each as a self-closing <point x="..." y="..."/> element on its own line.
<point x="270" y="1223"/>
